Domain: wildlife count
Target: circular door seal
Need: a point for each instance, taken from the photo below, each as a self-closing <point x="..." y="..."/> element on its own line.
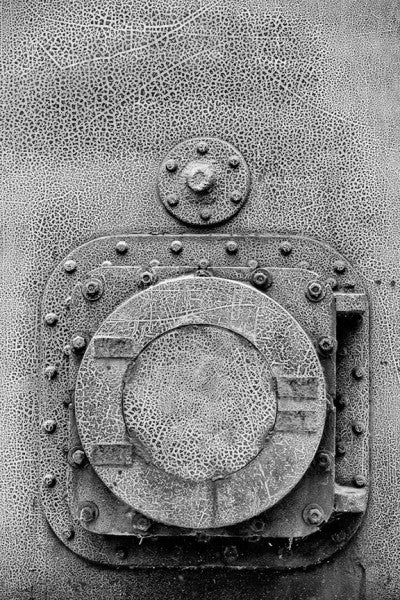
<point x="200" y="402"/>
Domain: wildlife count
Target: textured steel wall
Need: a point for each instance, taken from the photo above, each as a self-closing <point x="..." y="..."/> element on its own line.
<point x="95" y="94"/>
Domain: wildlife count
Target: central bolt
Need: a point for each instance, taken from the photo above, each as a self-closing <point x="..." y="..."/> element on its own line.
<point x="200" y="176"/>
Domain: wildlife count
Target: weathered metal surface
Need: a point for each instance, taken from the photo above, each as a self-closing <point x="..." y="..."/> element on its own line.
<point x="203" y="181"/>
<point x="95" y="95"/>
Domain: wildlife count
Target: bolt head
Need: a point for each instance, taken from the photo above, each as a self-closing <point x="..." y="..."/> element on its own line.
<point x="324" y="461"/>
<point x="50" y="372"/>
<point x="51" y="319"/>
<point x="78" y="343"/>
<point x="315" y="291"/>
<point x="88" y="512"/>
<point x="360" y="480"/>
<point x="340" y="448"/>
<point x="231" y="247"/>
<point x="236" y="197"/>
<point x="78" y="457"/>
<point x="234" y="161"/>
<point x="261" y="279"/>
<point x="147" y="277"/>
<point x="49" y="426"/>
<point x="358" y="428"/>
<point x="202" y="148"/>
<point x="70" y="266"/>
<point x="92" y="289"/>
<point x="230" y="554"/>
<point x="285" y="248"/>
<point x="326" y="345"/>
<point x="176" y="247"/>
<point x="49" y="480"/>
<point x="172" y="200"/>
<point x="205" y="214"/>
<point x="121" y="247"/>
<point x="358" y="373"/>
<point x="171" y="165"/>
<point x="339" y="266"/>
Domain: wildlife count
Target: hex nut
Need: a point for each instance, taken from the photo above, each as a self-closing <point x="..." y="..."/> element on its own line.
<point x="339" y="266"/>
<point x="78" y="343"/>
<point x="176" y="246"/>
<point x="49" y="480"/>
<point x="315" y="291"/>
<point x="51" y="319"/>
<point x="313" y="514"/>
<point x="147" y="278"/>
<point x="70" y="266"/>
<point x="121" y="247"/>
<point x="261" y="279"/>
<point x="326" y="345"/>
<point x="231" y="247"/>
<point x="93" y="289"/>
<point x="285" y="248"/>
<point x="360" y="481"/>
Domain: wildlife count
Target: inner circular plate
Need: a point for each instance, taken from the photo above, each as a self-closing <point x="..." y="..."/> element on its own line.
<point x="198" y="402"/>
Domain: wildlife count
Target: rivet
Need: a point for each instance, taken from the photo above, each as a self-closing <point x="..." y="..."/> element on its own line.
<point x="67" y="533"/>
<point x="231" y="247"/>
<point x="154" y="263"/>
<point x="106" y="263"/>
<point x="67" y="349"/>
<point x="205" y="214"/>
<point x="70" y="266"/>
<point x="51" y="319"/>
<point x="338" y="536"/>
<point x="326" y="344"/>
<point x="78" y="343"/>
<point x="358" y="427"/>
<point x="50" y="372"/>
<point x="339" y="266"/>
<point x="171" y="165"/>
<point x="49" y="426"/>
<point x="67" y="301"/>
<point x="204" y="263"/>
<point x="230" y="554"/>
<point x="360" y="480"/>
<point x="202" y="148"/>
<point x="49" y="480"/>
<point x="252" y="263"/>
<point x="172" y="200"/>
<point x="324" y="461"/>
<point x="261" y="279"/>
<point x="340" y="448"/>
<point x="176" y="246"/>
<point x="315" y="291"/>
<point x="285" y="248"/>
<point x="141" y="523"/>
<point x="358" y="373"/>
<point x="341" y="401"/>
<point x="332" y="282"/>
<point x="313" y="514"/>
<point x="121" y="247"/>
<point x="88" y="512"/>
<point x="234" y="161"/>
<point x="236" y="197"/>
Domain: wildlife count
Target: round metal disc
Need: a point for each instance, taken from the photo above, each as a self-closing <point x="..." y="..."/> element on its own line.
<point x="203" y="181"/>
<point x="200" y="402"/>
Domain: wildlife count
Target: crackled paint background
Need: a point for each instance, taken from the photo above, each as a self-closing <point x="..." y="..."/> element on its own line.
<point x="94" y="95"/>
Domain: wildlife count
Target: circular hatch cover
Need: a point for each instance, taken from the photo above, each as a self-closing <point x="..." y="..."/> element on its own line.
<point x="200" y="402"/>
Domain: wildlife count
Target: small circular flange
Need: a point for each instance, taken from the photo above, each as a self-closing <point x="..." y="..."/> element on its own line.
<point x="203" y="181"/>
